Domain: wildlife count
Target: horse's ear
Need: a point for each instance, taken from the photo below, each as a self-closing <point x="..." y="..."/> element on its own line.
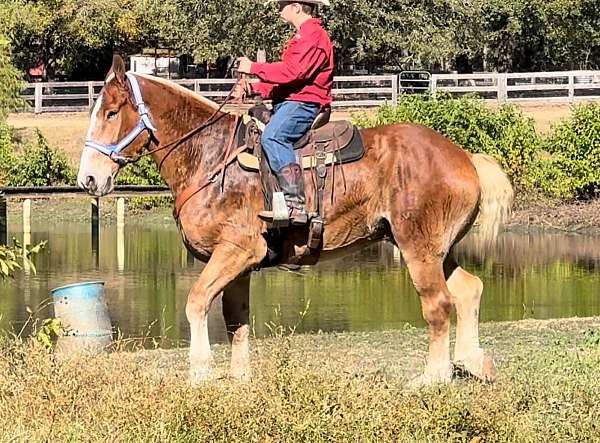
<point x="117" y="70"/>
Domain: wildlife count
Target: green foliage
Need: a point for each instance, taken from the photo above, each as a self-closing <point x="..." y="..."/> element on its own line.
<point x="142" y="172"/>
<point x="11" y="82"/>
<point x="504" y="133"/>
<point x="40" y="165"/>
<point x="572" y="166"/>
<point x="70" y="36"/>
<point x="591" y="338"/>
<point x="50" y="329"/>
<point x="12" y="257"/>
<point x="6" y="151"/>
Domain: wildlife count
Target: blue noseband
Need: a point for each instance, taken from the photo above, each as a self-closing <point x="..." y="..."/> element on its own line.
<point x="114" y="150"/>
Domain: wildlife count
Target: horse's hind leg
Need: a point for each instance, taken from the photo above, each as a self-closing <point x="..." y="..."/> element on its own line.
<point x="427" y="275"/>
<point x="466" y="290"/>
<point x="236" y="311"/>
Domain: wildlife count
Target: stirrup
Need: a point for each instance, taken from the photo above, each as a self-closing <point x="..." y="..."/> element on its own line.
<point x="279" y="217"/>
<point x="282" y="215"/>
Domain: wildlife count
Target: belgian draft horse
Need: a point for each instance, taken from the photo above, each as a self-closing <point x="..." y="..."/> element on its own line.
<point x="413" y="187"/>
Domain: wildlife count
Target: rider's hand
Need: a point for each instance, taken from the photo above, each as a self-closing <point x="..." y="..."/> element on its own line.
<point x="245" y="64"/>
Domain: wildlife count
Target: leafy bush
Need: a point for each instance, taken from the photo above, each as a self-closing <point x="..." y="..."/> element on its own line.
<point x="143" y="172"/>
<point x="11" y="82"/>
<point x="506" y="134"/>
<point x="6" y="151"/>
<point x="10" y="258"/>
<point x="572" y="166"/>
<point x="40" y="165"/>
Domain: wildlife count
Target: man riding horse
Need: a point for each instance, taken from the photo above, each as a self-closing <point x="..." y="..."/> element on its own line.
<point x="300" y="87"/>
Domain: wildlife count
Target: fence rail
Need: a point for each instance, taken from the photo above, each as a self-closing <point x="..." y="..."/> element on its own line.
<point x="567" y="86"/>
<point x="362" y="90"/>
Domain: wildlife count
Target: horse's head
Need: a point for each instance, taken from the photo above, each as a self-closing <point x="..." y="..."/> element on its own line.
<point x="119" y="130"/>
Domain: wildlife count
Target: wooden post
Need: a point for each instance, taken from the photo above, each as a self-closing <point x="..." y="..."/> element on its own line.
<point x="187" y="259"/>
<point x="90" y="95"/>
<point x="395" y="84"/>
<point x="27" y="216"/>
<point x="433" y="84"/>
<point x="571" y="87"/>
<point x="502" y="85"/>
<point x="26" y="242"/>
<point x="120" y="233"/>
<point x="95" y="229"/>
<point x="37" y="98"/>
<point x="261" y="56"/>
<point x="26" y="232"/>
<point x="3" y="221"/>
<point x="397" y="255"/>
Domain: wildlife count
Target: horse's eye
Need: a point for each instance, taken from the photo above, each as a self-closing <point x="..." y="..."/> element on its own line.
<point x="111" y="115"/>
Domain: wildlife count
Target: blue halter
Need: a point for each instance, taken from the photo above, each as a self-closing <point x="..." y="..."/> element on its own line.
<point x="114" y="150"/>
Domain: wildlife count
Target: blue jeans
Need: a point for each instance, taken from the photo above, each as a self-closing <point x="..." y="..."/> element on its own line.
<point x="290" y="121"/>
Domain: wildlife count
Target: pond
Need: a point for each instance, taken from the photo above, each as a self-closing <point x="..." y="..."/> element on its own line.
<point x="147" y="280"/>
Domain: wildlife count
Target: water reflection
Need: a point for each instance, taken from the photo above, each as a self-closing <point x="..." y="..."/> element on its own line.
<point x="148" y="274"/>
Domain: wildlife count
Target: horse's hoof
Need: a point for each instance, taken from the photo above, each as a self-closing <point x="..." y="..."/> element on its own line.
<point x="478" y="365"/>
<point x="429" y="378"/>
<point x="243" y="377"/>
<point x="199" y="377"/>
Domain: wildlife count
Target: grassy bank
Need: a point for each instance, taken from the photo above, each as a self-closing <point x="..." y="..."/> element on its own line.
<point x="332" y="387"/>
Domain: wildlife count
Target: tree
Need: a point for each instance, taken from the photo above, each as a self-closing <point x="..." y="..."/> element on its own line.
<point x="11" y="83"/>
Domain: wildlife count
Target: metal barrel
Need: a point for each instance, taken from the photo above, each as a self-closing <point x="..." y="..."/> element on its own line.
<point x="82" y="309"/>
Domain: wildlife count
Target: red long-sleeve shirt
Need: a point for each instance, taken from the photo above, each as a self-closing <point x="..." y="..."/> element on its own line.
<point x="305" y="72"/>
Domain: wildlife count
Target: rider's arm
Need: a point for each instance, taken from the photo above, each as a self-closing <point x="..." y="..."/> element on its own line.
<point x="301" y="60"/>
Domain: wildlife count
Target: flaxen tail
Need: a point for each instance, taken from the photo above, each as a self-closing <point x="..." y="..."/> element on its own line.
<point x="496" y="197"/>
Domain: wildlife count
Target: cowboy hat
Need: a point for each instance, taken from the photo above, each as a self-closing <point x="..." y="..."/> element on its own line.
<point x="313" y="2"/>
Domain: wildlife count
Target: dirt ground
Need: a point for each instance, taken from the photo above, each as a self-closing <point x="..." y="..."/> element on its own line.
<point x="68" y="131"/>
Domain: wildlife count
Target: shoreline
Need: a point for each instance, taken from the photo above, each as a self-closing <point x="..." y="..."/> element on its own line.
<point x="539" y="216"/>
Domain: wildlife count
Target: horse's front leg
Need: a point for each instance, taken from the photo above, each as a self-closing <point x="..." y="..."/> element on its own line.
<point x="227" y="263"/>
<point x="236" y="312"/>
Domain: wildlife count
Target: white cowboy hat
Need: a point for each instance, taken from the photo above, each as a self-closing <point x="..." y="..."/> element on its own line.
<point x="314" y="2"/>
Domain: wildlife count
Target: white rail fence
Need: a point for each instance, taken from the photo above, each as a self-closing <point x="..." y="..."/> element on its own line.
<point x="567" y="86"/>
<point x="364" y="90"/>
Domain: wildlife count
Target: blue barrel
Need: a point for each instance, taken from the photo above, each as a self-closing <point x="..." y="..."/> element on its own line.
<point x="83" y="313"/>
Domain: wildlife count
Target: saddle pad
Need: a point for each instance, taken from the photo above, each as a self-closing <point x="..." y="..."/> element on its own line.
<point x="354" y="151"/>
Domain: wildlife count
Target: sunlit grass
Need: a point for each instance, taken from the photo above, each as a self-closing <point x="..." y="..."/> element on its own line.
<point x="327" y="387"/>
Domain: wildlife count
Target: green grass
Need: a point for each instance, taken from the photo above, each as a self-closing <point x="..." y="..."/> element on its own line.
<point x="327" y="387"/>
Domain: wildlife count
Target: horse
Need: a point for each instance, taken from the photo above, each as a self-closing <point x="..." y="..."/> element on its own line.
<point x="413" y="187"/>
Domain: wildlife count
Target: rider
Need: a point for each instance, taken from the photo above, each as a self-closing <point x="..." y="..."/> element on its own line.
<point x="300" y="87"/>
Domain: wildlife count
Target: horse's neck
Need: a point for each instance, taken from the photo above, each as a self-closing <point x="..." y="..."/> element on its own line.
<point x="183" y="164"/>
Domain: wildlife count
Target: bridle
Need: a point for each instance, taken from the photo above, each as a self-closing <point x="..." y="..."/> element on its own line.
<point x="113" y="151"/>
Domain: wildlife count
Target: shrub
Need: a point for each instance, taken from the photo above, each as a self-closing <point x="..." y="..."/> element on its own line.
<point x="40" y="165"/>
<point x="572" y="166"/>
<point x="6" y="151"/>
<point x="11" y="82"/>
<point x="506" y="134"/>
<point x="143" y="172"/>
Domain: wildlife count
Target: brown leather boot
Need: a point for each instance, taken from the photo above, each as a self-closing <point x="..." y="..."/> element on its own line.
<point x="291" y="180"/>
